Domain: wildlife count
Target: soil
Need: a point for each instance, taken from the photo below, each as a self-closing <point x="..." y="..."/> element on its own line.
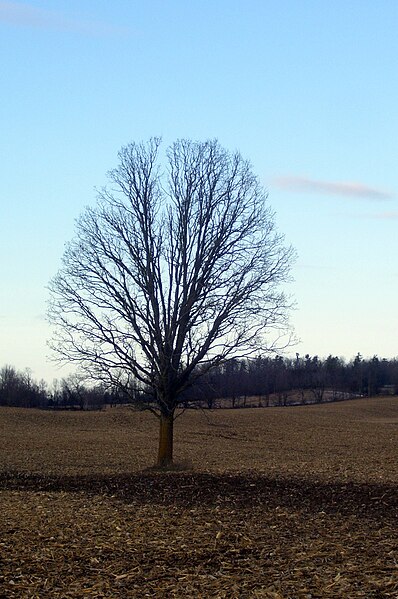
<point x="297" y="502"/>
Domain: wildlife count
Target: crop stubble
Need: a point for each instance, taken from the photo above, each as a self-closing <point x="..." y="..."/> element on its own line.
<point x="274" y="503"/>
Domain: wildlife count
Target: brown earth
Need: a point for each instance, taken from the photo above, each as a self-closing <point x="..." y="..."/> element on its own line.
<point x="274" y="503"/>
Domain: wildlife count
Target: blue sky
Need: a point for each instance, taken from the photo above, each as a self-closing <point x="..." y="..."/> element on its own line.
<point x="307" y="90"/>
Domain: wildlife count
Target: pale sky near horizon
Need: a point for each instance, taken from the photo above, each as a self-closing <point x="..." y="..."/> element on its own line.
<point x="307" y="90"/>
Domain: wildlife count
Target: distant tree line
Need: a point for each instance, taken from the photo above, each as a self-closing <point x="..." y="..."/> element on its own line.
<point x="263" y="381"/>
<point x="18" y="389"/>
<point x="282" y="381"/>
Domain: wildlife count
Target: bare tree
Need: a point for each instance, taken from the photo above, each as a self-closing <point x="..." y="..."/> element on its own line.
<point x="172" y="273"/>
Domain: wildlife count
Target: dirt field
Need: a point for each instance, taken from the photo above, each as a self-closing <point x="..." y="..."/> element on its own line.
<point x="278" y="503"/>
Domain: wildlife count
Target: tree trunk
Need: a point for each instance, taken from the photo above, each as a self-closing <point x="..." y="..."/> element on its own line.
<point x="165" y="454"/>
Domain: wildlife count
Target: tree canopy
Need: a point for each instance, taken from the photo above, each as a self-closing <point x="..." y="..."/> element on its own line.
<point x="175" y="270"/>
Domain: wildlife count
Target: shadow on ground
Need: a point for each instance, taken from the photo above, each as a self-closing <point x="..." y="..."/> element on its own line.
<point x="193" y="489"/>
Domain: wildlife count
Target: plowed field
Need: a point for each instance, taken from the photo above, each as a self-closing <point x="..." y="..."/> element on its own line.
<point x="278" y="503"/>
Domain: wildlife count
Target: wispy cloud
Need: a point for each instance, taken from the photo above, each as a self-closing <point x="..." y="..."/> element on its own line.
<point x="393" y="215"/>
<point x="22" y="14"/>
<point x="341" y="188"/>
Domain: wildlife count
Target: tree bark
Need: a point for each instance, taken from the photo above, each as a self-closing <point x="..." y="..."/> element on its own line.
<point x="165" y="453"/>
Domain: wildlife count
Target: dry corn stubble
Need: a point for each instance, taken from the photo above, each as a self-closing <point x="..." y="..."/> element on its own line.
<point x="278" y="503"/>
